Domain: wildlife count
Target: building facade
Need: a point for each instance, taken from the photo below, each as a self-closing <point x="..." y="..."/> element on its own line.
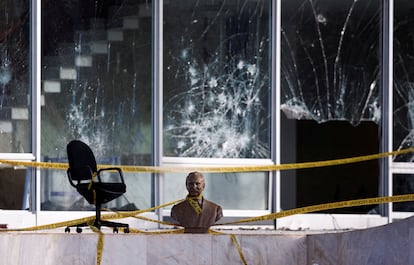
<point x="209" y="83"/>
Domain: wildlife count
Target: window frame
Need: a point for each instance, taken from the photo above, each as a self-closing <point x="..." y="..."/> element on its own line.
<point x="34" y="216"/>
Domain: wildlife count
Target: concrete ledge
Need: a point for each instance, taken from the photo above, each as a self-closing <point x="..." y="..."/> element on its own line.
<point x="388" y="244"/>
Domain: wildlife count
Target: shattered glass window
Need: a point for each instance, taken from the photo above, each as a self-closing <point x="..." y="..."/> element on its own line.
<point x="403" y="92"/>
<point x="15" y="100"/>
<point x="330" y="100"/>
<point x="96" y="85"/>
<point x="330" y="60"/>
<point x="216" y="93"/>
<point x="15" y="84"/>
<point x="216" y="79"/>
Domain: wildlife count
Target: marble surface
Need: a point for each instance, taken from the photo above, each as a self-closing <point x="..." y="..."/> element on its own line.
<point x="47" y="249"/>
<point x="388" y="244"/>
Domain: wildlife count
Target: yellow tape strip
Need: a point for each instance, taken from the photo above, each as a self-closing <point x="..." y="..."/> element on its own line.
<point x="74" y="222"/>
<point x="142" y="217"/>
<point x="272" y="216"/>
<point x="94" y="174"/>
<point x="150" y="169"/>
<point x="327" y="206"/>
<point x="155" y="221"/>
<point x="46" y="165"/>
<point x="302" y="210"/>
<point x="99" y="245"/>
<point x="194" y="204"/>
<point x="90" y="219"/>
<point x="119" y="215"/>
<point x="175" y="231"/>
<point x="235" y="242"/>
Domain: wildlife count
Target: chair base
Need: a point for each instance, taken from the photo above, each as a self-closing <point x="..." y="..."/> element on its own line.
<point x="101" y="223"/>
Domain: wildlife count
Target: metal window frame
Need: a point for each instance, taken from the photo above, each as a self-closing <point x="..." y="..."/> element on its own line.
<point x="35" y="216"/>
<point x="394" y="167"/>
<point x="174" y="161"/>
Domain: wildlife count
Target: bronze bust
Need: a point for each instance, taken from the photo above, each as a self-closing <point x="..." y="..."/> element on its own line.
<point x="196" y="213"/>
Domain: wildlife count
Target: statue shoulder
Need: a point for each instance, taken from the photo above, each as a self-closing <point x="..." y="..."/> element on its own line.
<point x="213" y="204"/>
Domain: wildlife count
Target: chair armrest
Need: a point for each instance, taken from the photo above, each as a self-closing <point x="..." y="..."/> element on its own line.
<point x="112" y="169"/>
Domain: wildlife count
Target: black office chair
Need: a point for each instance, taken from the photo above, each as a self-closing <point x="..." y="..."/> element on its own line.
<point x="84" y="176"/>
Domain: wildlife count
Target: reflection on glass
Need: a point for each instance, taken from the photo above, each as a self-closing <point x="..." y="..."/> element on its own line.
<point x="403" y="95"/>
<point x="330" y="99"/>
<point x="403" y="184"/>
<point x="96" y="83"/>
<point x="15" y="86"/>
<point x="216" y="79"/>
<point x="235" y="191"/>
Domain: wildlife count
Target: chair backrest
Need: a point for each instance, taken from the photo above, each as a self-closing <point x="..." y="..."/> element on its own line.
<point x="82" y="163"/>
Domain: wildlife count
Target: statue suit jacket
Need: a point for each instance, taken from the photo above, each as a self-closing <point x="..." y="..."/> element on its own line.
<point x="193" y="222"/>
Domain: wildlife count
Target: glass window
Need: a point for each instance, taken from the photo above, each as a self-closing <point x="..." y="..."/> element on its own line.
<point x="96" y="83"/>
<point x="403" y="184"/>
<point x="330" y="99"/>
<point x="15" y="84"/>
<point x="235" y="191"/>
<point x="15" y="100"/>
<point x="403" y="93"/>
<point x="14" y="186"/>
<point x="216" y="79"/>
<point x="216" y="100"/>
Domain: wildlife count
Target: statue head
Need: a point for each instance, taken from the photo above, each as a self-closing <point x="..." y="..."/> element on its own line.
<point x="195" y="183"/>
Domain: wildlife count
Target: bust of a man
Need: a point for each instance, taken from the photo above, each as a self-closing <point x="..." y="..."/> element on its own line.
<point x="196" y="213"/>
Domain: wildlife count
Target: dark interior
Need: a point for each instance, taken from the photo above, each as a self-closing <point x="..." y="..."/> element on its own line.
<point x="312" y="141"/>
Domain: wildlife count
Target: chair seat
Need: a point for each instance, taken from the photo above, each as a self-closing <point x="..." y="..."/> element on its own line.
<point x="105" y="192"/>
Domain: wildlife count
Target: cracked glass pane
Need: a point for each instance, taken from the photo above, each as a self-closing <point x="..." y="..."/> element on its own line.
<point x="96" y="59"/>
<point x="15" y="84"/>
<point x="403" y="95"/>
<point x="15" y="101"/>
<point x="216" y="94"/>
<point x="330" y="100"/>
<point x="330" y="60"/>
<point x="216" y="79"/>
<point x="96" y="86"/>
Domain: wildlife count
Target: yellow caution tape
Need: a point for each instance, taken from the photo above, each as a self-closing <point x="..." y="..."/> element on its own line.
<point x="235" y="242"/>
<point x="91" y="219"/>
<point x="99" y="245"/>
<point x="327" y="206"/>
<point x="46" y="165"/>
<point x="119" y="215"/>
<point x="153" y="169"/>
<point x="154" y="221"/>
<point x="272" y="216"/>
<point x="75" y="222"/>
<point x="91" y="182"/>
<point x="302" y="210"/>
<point x="169" y="231"/>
